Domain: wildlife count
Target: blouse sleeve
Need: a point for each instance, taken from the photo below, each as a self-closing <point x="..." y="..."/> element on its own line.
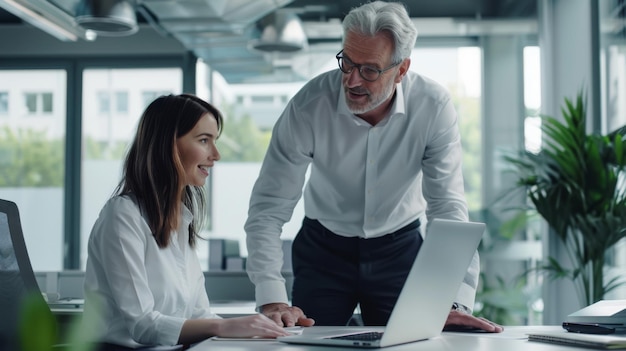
<point x="119" y="242"/>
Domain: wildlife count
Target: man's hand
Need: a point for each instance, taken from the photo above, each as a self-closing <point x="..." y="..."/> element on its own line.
<point x="285" y="315"/>
<point x="458" y="320"/>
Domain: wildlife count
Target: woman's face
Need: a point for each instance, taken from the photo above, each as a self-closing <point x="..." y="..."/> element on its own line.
<point x="197" y="150"/>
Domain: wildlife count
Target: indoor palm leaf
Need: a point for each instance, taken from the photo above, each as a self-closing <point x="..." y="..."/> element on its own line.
<point x="576" y="184"/>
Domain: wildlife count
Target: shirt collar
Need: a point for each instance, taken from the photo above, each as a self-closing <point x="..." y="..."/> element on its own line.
<point x="399" y="105"/>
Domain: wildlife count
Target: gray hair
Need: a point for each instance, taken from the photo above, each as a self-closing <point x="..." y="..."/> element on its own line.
<point x="379" y="16"/>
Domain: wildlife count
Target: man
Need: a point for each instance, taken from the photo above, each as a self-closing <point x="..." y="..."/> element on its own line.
<point x="385" y="151"/>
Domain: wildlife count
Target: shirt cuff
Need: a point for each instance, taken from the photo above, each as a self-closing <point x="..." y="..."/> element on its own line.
<point x="461" y="308"/>
<point x="169" y="329"/>
<point x="270" y="292"/>
<point x="466" y="296"/>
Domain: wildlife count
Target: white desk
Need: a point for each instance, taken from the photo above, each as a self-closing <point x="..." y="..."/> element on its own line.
<point x="512" y="339"/>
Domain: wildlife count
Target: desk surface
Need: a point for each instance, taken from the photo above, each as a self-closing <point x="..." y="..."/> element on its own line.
<point x="513" y="338"/>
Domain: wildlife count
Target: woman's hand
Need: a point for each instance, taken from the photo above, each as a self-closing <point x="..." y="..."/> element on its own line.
<point x="253" y="326"/>
<point x="256" y="325"/>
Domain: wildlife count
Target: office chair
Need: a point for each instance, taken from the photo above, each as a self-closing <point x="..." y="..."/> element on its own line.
<point x="17" y="279"/>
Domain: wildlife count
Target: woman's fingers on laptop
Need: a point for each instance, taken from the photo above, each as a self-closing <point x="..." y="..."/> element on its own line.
<point x="256" y="325"/>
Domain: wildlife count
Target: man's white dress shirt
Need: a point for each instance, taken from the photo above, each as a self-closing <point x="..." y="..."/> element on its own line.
<point x="365" y="180"/>
<point x="135" y="292"/>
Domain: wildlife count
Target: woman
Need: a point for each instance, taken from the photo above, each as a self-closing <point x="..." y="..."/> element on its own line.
<point x="143" y="281"/>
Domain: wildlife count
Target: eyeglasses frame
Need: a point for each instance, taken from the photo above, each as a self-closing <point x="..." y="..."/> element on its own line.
<point x="340" y="57"/>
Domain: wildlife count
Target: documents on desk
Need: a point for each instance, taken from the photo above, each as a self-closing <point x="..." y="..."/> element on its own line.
<point x="596" y="341"/>
<point x="603" y="311"/>
<point x="596" y="326"/>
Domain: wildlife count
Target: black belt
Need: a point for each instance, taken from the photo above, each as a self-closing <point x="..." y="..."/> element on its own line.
<point x="409" y="227"/>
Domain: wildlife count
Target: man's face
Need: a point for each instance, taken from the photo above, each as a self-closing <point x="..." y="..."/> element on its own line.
<point x="363" y="97"/>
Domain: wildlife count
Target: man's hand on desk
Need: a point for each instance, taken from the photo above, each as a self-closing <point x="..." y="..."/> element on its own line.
<point x="285" y="315"/>
<point x="458" y="321"/>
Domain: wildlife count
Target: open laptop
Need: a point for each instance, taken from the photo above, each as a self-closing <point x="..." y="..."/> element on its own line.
<point x="428" y="293"/>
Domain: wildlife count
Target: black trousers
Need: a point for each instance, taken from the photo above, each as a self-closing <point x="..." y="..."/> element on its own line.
<point x="332" y="273"/>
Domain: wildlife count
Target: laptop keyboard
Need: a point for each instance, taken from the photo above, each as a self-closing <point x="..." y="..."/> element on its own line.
<point x="367" y="336"/>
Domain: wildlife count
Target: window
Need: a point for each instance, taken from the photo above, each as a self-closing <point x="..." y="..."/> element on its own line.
<point x="31" y="102"/>
<point x="104" y="102"/>
<point x="262" y="99"/>
<point x="105" y="138"/>
<point x="150" y="95"/>
<point x="4" y="103"/>
<point x="46" y="102"/>
<point x="32" y="159"/>
<point x="33" y="150"/>
<point x="613" y="76"/>
<point x="121" y="102"/>
<point x="532" y="99"/>
<point x="242" y="146"/>
<point x="38" y="103"/>
<point x="533" y="143"/>
<point x="458" y="69"/>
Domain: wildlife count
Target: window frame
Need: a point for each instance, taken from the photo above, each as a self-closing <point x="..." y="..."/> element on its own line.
<point x="74" y="66"/>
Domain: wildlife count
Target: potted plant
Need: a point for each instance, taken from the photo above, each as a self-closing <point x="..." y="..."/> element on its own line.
<point x="576" y="184"/>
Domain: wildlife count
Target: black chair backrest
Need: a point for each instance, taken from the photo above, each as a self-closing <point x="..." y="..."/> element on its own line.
<point x="17" y="279"/>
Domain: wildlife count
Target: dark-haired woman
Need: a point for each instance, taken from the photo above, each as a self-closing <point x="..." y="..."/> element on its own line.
<point x="143" y="281"/>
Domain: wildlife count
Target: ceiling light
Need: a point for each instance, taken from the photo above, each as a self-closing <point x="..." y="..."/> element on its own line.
<point x="107" y="17"/>
<point x="38" y="20"/>
<point x="281" y="32"/>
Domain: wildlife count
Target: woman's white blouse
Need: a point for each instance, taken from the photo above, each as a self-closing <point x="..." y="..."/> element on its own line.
<point x="135" y="292"/>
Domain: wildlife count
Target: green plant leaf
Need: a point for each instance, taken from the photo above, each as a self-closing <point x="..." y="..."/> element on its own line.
<point x="36" y="316"/>
<point x="575" y="183"/>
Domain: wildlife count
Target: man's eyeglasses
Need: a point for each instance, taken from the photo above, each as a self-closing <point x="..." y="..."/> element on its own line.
<point x="366" y="72"/>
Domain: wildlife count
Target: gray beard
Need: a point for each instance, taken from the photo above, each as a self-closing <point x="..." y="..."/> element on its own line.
<point x="374" y="103"/>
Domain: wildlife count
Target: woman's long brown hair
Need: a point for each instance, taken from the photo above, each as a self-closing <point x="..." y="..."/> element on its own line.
<point x="152" y="171"/>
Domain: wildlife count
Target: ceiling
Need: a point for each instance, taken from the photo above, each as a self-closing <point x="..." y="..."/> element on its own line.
<point x="220" y="31"/>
